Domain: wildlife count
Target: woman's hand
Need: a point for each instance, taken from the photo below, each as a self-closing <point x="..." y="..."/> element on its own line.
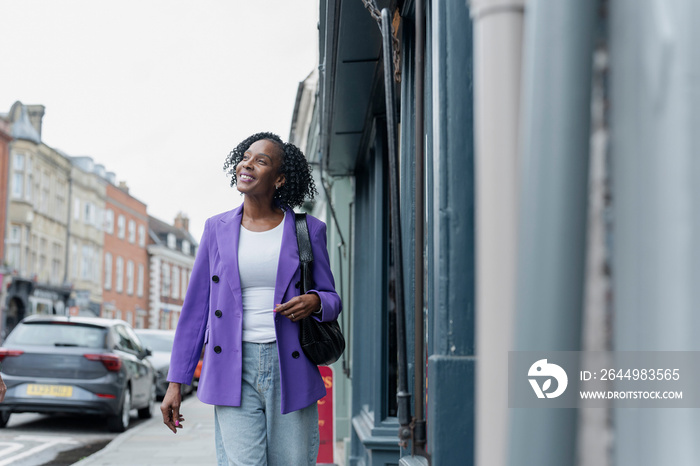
<point x="170" y="407"/>
<point x="299" y="307"/>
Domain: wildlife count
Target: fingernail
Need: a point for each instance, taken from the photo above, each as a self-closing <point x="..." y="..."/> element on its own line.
<point x="177" y="423"/>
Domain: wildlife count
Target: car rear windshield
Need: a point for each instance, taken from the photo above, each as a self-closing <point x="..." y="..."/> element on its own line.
<point x="58" y="334"/>
<point x="157" y="342"/>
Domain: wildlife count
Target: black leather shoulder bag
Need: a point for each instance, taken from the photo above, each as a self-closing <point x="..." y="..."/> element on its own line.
<point x="322" y="342"/>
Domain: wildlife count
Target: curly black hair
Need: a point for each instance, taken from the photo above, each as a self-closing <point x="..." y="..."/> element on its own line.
<point x="298" y="185"/>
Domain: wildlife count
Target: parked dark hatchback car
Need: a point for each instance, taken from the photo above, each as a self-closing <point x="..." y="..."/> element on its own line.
<point x="57" y="364"/>
<point x="160" y="342"/>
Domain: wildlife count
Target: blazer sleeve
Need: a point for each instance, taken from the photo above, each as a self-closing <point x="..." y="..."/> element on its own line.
<point x="323" y="276"/>
<point x="191" y="327"/>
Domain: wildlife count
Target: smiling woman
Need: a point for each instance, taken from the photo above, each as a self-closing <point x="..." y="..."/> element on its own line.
<point x="247" y="264"/>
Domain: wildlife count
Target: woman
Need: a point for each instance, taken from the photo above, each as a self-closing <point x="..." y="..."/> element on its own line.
<point x="243" y="303"/>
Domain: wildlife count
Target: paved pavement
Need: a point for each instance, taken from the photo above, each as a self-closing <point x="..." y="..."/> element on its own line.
<point x="151" y="443"/>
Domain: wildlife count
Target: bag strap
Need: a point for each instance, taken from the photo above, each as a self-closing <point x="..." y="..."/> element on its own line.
<point x="306" y="255"/>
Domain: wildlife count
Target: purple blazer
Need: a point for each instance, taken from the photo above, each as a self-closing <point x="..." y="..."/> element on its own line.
<point x="212" y="315"/>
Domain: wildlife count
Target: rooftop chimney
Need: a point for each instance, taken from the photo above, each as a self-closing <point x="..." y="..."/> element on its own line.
<point x="182" y="222"/>
<point x="123" y="186"/>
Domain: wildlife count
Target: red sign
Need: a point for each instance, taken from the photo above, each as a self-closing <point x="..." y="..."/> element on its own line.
<point x="325" y="419"/>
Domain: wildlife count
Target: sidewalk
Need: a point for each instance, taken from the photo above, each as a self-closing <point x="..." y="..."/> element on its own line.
<point x="151" y="443"/>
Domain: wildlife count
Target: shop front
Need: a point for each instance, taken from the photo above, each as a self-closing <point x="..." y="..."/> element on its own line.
<point x="27" y="297"/>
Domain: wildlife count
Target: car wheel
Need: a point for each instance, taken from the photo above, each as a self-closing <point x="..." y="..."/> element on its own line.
<point x="4" y="418"/>
<point x="147" y="412"/>
<point x="120" y="422"/>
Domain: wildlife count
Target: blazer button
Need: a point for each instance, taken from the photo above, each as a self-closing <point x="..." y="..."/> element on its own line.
<point x="215" y="279"/>
<point x="217" y="349"/>
<point x="297" y="284"/>
<point x="218" y="313"/>
<point x="295" y="354"/>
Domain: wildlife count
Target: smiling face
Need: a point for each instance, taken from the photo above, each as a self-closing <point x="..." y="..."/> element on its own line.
<point x="258" y="172"/>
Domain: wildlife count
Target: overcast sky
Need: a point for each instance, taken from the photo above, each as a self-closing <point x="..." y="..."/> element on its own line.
<point x="159" y="91"/>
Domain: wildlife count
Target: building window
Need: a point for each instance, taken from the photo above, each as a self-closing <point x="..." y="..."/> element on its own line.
<point x="30" y="180"/>
<point x="165" y="273"/>
<point x="139" y="283"/>
<point x="186" y="247"/>
<point x="86" y="270"/>
<point x="108" y="271"/>
<point x="172" y="241"/>
<point x="45" y="186"/>
<point x="60" y="200"/>
<point x="28" y="192"/>
<point x="89" y="213"/>
<point x="121" y="225"/>
<point x="56" y="260"/>
<point x="142" y="236"/>
<point x="109" y="221"/>
<point x="120" y="274"/>
<point x="99" y="218"/>
<point x="176" y="282"/>
<point x="164" y="319"/>
<point x="43" y="259"/>
<point x="18" y="176"/>
<point x="14" y="247"/>
<point x="132" y="231"/>
<point x="130" y="278"/>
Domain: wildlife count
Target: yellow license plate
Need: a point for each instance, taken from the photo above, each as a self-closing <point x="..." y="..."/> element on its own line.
<point x="65" y="391"/>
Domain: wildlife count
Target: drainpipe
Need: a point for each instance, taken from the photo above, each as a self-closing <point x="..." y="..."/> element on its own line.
<point x="403" y="397"/>
<point x="419" y="428"/>
<point x="68" y="224"/>
<point x="556" y="116"/>
<point x="654" y="79"/>
<point x="498" y="36"/>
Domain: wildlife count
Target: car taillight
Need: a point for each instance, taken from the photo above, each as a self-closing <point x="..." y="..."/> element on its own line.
<point x="112" y="363"/>
<point x="9" y="352"/>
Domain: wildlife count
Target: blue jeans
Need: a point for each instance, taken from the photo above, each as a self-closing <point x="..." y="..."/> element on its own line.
<point x="256" y="433"/>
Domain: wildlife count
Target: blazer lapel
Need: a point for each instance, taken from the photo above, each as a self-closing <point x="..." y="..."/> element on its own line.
<point x="289" y="257"/>
<point x="228" y="230"/>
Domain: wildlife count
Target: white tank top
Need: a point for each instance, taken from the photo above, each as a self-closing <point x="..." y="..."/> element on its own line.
<point x="258" y="257"/>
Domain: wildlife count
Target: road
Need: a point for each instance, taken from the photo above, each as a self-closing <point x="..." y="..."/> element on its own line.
<point x="38" y="440"/>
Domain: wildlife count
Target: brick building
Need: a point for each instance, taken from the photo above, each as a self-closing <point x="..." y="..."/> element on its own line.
<point x="171" y="251"/>
<point x="125" y="257"/>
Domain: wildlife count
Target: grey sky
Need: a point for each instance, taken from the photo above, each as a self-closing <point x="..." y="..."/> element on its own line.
<point x="159" y="91"/>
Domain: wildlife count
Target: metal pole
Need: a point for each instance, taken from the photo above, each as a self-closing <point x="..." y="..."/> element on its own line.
<point x="403" y="396"/>
<point x="419" y="432"/>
